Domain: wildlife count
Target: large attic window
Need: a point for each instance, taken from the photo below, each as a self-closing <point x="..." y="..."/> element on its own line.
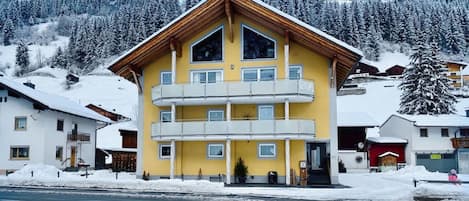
<point x="257" y="45"/>
<point x="208" y="48"/>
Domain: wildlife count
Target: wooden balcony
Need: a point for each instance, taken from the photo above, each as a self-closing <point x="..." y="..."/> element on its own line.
<point x="462" y="142"/>
<point x="78" y="137"/>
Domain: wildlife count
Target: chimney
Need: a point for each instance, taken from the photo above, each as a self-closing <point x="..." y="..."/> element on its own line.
<point x="29" y="84"/>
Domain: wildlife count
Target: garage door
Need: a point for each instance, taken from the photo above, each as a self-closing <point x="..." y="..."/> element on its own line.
<point x="437" y="162"/>
<point x="463" y="162"/>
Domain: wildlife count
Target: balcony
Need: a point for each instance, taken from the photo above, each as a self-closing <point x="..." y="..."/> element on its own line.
<point x="78" y="137"/>
<point x="237" y="130"/>
<point x="462" y="142"/>
<point x="238" y="92"/>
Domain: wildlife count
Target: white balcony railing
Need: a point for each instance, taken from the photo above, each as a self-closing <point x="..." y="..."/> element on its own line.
<point x="245" y="92"/>
<point x="242" y="129"/>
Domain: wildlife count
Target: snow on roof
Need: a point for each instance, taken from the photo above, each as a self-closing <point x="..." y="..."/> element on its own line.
<point x="388" y="153"/>
<point x="458" y="62"/>
<point x="122" y="149"/>
<point x="390" y="140"/>
<point x="109" y="137"/>
<point x="53" y="102"/>
<point x="355" y="119"/>
<point x="450" y="120"/>
<point x="311" y="28"/>
<point x="387" y="60"/>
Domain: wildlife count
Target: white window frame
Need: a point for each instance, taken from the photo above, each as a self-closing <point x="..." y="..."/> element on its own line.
<point x="259" y="73"/>
<point x="222" y="114"/>
<point x="164" y="112"/>
<point x="17" y="120"/>
<point x="243" y="26"/>
<point x="19" y="147"/>
<point x="161" y="77"/>
<point x="216" y="156"/>
<point x="259" y="111"/>
<point x="160" y="148"/>
<point x="259" y="152"/>
<point x="206" y="75"/>
<point x="300" y="67"/>
<point x="206" y="36"/>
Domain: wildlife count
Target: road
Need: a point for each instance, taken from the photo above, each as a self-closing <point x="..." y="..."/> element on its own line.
<point x="48" y="194"/>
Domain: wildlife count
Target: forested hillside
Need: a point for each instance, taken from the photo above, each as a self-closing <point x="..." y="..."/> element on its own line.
<point x="100" y="29"/>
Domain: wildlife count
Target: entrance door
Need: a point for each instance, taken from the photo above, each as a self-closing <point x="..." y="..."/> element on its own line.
<point x="73" y="156"/>
<point x="463" y="158"/>
<point x="317" y="163"/>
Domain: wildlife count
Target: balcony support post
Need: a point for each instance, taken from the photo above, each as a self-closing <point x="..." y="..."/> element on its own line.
<point x="173" y="46"/>
<point x="287" y="109"/>
<point x="228" y="111"/>
<point x="287" y="161"/>
<point x="173" y="112"/>
<point x="173" y="156"/>
<point x="461" y="78"/>
<point x="286" y="54"/>
<point x="228" y="161"/>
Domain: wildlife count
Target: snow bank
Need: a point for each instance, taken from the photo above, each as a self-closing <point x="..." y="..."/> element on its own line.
<point x="40" y="171"/>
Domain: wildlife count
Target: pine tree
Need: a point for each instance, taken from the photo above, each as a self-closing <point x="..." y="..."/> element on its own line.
<point x="425" y="90"/>
<point x="8" y="32"/>
<point x="22" y="59"/>
<point x="59" y="60"/>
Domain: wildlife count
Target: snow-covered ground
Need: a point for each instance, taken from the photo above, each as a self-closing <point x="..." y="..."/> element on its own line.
<point x="395" y="185"/>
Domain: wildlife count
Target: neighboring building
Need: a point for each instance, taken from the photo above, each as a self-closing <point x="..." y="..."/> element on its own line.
<point x="386" y="153"/>
<point x="429" y="139"/>
<point x="352" y="134"/>
<point x="112" y="115"/>
<point x="233" y="79"/>
<point x="36" y="127"/>
<point x="455" y="74"/>
<point x="365" y="67"/>
<point x="125" y="159"/>
<point x="396" y="70"/>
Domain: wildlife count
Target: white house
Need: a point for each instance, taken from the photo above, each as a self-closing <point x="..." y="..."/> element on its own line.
<point x="432" y="140"/>
<point x="36" y="127"/>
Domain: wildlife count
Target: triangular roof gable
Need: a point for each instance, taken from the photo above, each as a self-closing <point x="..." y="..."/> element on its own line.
<point x="208" y="12"/>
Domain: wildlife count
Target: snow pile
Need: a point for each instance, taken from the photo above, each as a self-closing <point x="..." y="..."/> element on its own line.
<point x="40" y="171"/>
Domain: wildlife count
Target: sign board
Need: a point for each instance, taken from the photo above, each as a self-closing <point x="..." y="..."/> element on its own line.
<point x="302" y="164"/>
<point x="435" y="156"/>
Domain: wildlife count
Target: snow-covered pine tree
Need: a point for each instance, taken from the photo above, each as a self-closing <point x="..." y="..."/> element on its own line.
<point x="424" y="89"/>
<point x="188" y="4"/>
<point x="8" y="32"/>
<point x="22" y="59"/>
<point x="59" y="60"/>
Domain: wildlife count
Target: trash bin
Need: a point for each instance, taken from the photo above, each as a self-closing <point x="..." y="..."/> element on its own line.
<point x="272" y="177"/>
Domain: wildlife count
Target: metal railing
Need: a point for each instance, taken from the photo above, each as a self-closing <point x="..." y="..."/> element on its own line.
<point x="238" y="127"/>
<point x="78" y="137"/>
<point x="228" y="89"/>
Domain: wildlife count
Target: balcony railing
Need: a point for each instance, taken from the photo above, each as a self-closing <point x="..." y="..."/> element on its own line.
<point x="79" y="137"/>
<point x="462" y="142"/>
<point x="245" y="92"/>
<point x="239" y="129"/>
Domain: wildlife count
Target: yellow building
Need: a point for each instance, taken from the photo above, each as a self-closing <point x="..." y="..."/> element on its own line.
<point x="455" y="73"/>
<point x="234" y="79"/>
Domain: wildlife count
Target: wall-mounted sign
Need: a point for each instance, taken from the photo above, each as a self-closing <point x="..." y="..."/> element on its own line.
<point x="435" y="156"/>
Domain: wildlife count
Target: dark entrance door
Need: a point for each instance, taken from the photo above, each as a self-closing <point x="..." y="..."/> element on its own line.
<point x="317" y="163"/>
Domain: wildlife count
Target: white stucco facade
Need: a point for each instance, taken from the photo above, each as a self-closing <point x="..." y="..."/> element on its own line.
<point x="409" y="129"/>
<point x="41" y="135"/>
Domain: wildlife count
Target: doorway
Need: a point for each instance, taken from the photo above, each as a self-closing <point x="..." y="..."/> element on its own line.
<point x="73" y="156"/>
<point x="317" y="163"/>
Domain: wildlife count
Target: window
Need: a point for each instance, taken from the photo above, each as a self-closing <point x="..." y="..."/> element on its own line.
<point x="20" y="123"/>
<point x="204" y="77"/>
<point x="464" y="132"/>
<point x="423" y="132"/>
<point x="216" y="115"/>
<point x="19" y="153"/>
<point x="165" y="116"/>
<point x="166" y="78"/>
<point x="215" y="150"/>
<point x="295" y="72"/>
<point x="59" y="153"/>
<point x="209" y="48"/>
<point x="60" y="125"/>
<point x="258" y="74"/>
<point x="267" y="150"/>
<point x="444" y="132"/>
<point x="265" y="112"/>
<point x="165" y="151"/>
<point x="257" y="45"/>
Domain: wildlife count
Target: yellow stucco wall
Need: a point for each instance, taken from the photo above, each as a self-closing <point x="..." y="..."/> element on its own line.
<point x="192" y="155"/>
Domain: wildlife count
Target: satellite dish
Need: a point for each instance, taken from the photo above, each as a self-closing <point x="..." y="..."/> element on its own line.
<point x="361" y="145"/>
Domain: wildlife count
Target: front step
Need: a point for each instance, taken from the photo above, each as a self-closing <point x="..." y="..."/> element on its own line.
<point x="71" y="169"/>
